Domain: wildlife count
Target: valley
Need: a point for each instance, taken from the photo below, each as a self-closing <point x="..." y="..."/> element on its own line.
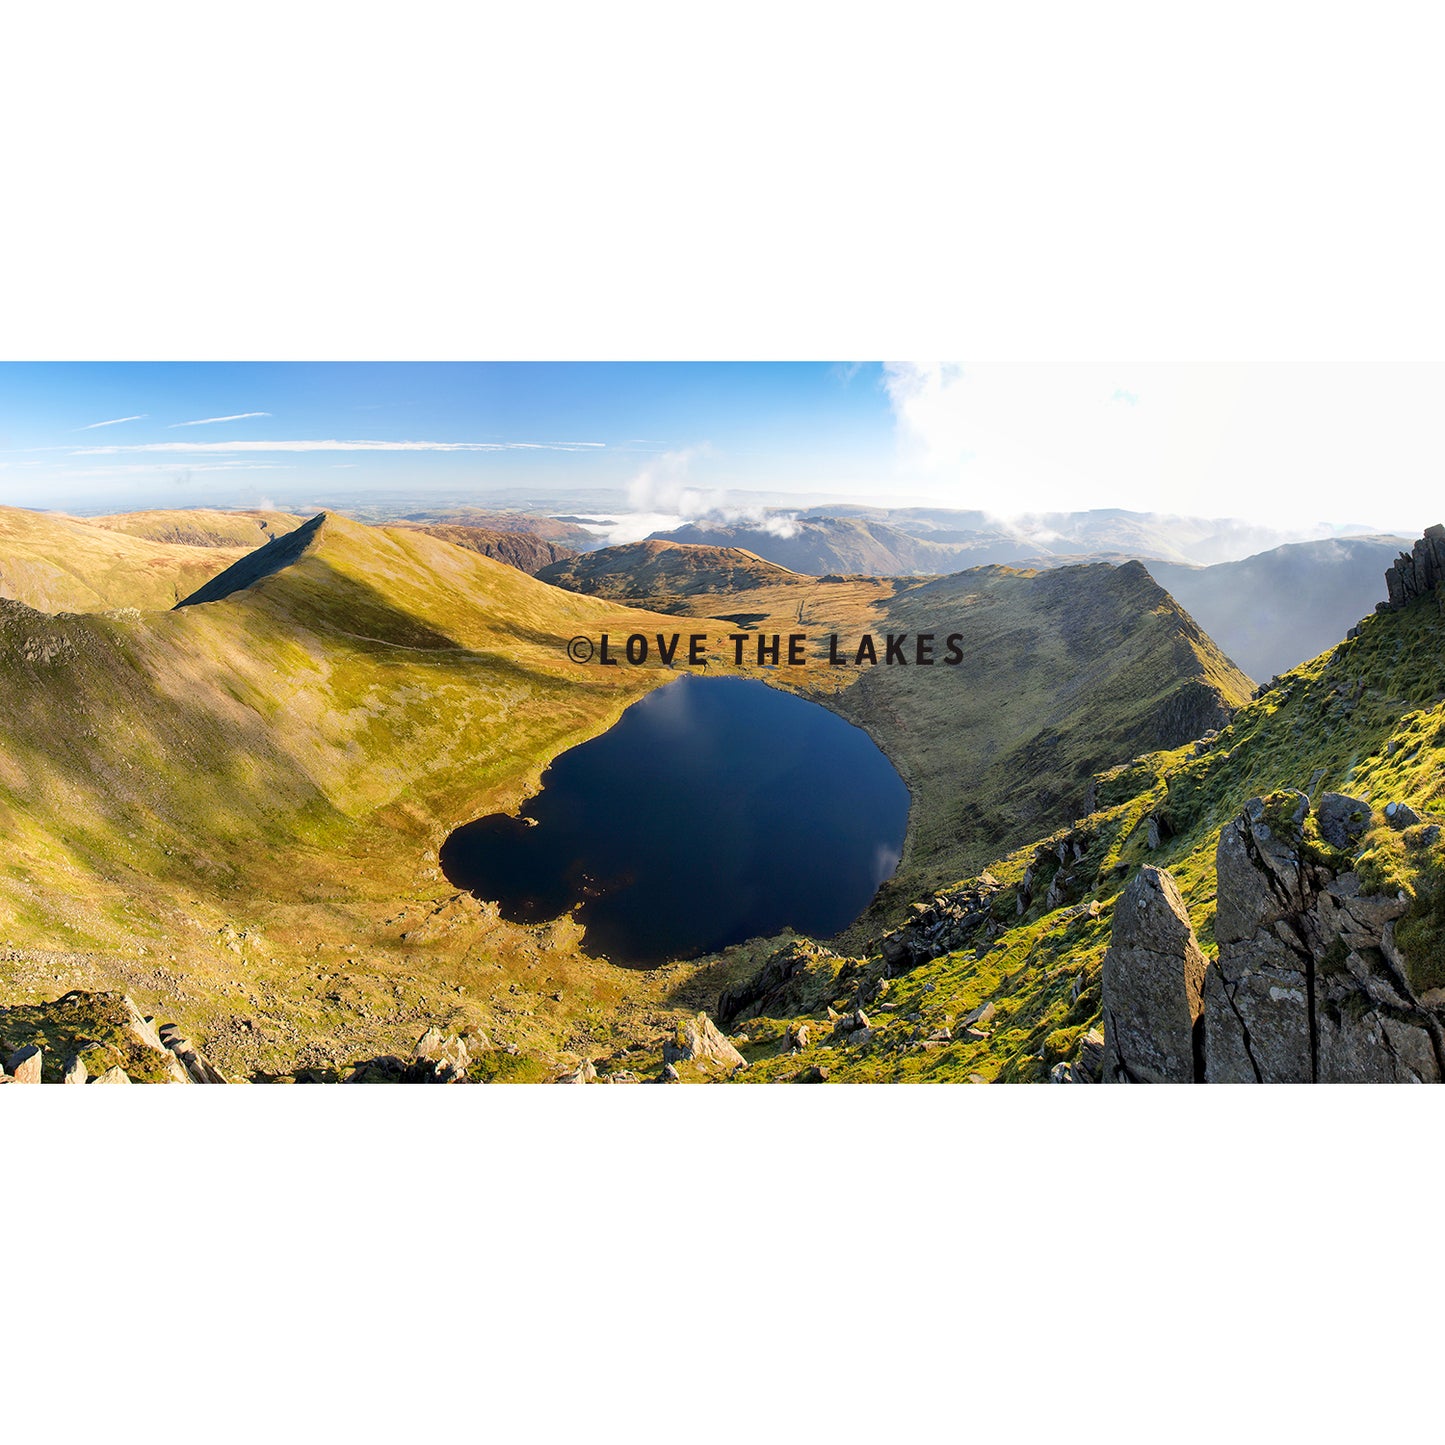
<point x="232" y="811"/>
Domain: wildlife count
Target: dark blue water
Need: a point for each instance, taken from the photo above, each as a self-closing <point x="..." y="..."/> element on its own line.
<point x="714" y="810"/>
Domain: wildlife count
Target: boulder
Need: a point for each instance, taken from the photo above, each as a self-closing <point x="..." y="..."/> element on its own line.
<point x="24" y="1064"/>
<point x="75" y="1071"/>
<point x="1153" y="981"/>
<point x="114" y="1075"/>
<point x="698" y="1040"/>
<point x="1342" y="819"/>
<point x="198" y="1068"/>
<point x="584" y="1073"/>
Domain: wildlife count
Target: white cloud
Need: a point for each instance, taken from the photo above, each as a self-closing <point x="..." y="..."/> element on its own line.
<point x="114" y="421"/>
<point x="211" y="420"/>
<point x="1286" y="445"/>
<point x="340" y="446"/>
<point x="663" y="487"/>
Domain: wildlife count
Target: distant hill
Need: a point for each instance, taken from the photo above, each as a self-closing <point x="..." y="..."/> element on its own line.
<point x="824" y="545"/>
<point x="657" y="571"/>
<point x="56" y="563"/>
<point x="1202" y="541"/>
<point x="1280" y="608"/>
<point x="201" y="526"/>
<point x="526" y="551"/>
<point x="550" y="529"/>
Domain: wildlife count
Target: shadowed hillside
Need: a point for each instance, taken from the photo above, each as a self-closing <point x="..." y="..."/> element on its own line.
<point x="1272" y="611"/>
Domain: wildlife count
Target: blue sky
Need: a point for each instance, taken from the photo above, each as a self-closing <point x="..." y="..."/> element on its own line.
<point x="1291" y="445"/>
<point x="124" y="433"/>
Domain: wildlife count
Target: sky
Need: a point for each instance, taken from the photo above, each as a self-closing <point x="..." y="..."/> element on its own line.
<point x="1299" y="444"/>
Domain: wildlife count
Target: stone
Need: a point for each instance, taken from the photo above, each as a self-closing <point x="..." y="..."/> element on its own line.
<point x="1089" y="1065"/>
<point x="983" y="1014"/>
<point x="670" y="1074"/>
<point x="24" y="1064"/>
<point x="816" y="1075"/>
<point x="797" y="1036"/>
<point x="75" y="1072"/>
<point x="1153" y="985"/>
<point x="584" y="1073"/>
<point x="113" y="1075"/>
<point x="198" y="1068"/>
<point x="1401" y="816"/>
<point x="1342" y="820"/>
<point x="697" y="1040"/>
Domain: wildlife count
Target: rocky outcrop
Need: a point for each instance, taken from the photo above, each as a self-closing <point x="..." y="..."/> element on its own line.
<point x="92" y="1037"/>
<point x="1153" y="985"/>
<point x="698" y="1040"/>
<point x="1418" y="572"/>
<point x="948" y="921"/>
<point x="1309" y="985"/>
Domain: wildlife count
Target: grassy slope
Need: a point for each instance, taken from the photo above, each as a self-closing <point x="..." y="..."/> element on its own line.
<point x="234" y="807"/>
<point x="231" y="810"/>
<point x="146" y="560"/>
<point x="1367" y="717"/>
<point x="201" y="526"/>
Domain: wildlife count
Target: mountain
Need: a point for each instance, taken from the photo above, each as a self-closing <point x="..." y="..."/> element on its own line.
<point x="201" y="526"/>
<point x="1264" y="903"/>
<point x="1201" y="541"/>
<point x="824" y="545"/>
<point x="1274" y="610"/>
<point x="566" y="533"/>
<point x="526" y="551"/>
<point x="232" y="809"/>
<point x="659" y="571"/>
<point x="56" y="563"/>
<point x="1060" y="673"/>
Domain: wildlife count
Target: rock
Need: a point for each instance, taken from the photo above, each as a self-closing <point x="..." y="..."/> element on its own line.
<point x="1089" y="1064"/>
<point x="1342" y="819"/>
<point x="24" y="1064"/>
<point x="670" y="1074"/>
<point x="983" y="1014"/>
<point x="859" y="1037"/>
<point x="1401" y="816"/>
<point x="1153" y="985"/>
<point x="75" y="1071"/>
<point x="1062" y="1074"/>
<point x="584" y="1073"/>
<point x="622" y="1076"/>
<point x="797" y="1036"/>
<point x="429" y="1045"/>
<point x="114" y="1075"/>
<point x="198" y="1068"/>
<point x="1309" y="985"/>
<point x="698" y="1040"/>
<point x="816" y="1075"/>
<point x="438" y="1059"/>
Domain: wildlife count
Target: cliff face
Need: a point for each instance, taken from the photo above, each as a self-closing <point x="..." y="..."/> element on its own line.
<point x="1416" y="572"/>
<point x="1328" y="922"/>
<point x="1312" y="983"/>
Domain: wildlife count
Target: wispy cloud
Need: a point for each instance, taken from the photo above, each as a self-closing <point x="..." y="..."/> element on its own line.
<point x="211" y="420"/>
<point x="341" y="446"/>
<point x="114" y="421"/>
